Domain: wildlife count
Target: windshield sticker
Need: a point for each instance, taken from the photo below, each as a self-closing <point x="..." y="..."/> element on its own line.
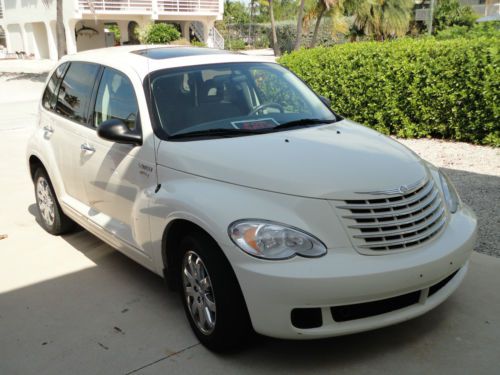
<point x="261" y="123"/>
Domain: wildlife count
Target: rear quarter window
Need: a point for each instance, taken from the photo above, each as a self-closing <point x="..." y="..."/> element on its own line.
<point x="75" y="92"/>
<point x="50" y="94"/>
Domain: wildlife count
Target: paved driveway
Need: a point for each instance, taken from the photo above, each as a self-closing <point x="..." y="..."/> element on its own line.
<point x="72" y="304"/>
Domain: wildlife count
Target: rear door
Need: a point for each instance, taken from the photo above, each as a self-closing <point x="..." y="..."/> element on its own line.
<point x="63" y="123"/>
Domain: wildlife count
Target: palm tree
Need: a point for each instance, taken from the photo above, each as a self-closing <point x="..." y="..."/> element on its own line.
<point x="276" y="48"/>
<point x="300" y="20"/>
<point x="383" y="18"/>
<point x="322" y="8"/>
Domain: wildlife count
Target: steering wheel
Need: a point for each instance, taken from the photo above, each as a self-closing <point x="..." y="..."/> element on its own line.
<point x="264" y="106"/>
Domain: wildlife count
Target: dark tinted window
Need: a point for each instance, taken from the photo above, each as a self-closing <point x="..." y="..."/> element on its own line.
<point x="49" y="96"/>
<point x="115" y="99"/>
<point x="75" y="91"/>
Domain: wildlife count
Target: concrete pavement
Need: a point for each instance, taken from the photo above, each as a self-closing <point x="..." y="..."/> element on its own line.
<point x="72" y="304"/>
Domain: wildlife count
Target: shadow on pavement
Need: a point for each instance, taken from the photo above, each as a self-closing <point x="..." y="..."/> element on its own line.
<point x="482" y="193"/>
<point x="34" y="77"/>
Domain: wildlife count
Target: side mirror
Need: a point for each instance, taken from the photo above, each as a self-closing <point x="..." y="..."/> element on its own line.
<point x="115" y="130"/>
<point x="325" y="100"/>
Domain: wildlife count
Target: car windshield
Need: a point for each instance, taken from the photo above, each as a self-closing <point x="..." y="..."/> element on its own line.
<point x="233" y="99"/>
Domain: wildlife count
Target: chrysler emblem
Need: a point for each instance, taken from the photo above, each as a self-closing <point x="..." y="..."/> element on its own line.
<point x="403" y="189"/>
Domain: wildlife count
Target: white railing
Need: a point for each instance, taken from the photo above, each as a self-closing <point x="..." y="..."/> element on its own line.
<point x="1" y="9"/>
<point x="115" y="5"/>
<point x="150" y="6"/>
<point x="217" y="38"/>
<point x="180" y="6"/>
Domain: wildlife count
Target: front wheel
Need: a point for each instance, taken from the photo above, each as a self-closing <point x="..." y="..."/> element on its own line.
<point x="211" y="295"/>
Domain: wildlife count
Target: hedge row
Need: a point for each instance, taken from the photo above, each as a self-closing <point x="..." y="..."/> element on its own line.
<point x="411" y="87"/>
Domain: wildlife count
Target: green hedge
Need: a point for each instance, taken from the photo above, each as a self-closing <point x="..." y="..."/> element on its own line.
<point x="411" y="87"/>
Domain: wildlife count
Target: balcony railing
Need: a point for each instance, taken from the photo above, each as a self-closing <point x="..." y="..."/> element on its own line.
<point x="150" y="6"/>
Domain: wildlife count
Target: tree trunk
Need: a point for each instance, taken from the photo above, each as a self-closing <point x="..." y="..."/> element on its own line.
<point x="299" y="25"/>
<point x="316" y="28"/>
<point x="60" y="33"/>
<point x="276" y="48"/>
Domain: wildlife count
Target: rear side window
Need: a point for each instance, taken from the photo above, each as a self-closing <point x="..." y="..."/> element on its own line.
<point x="76" y="90"/>
<point x="115" y="99"/>
<point x="49" y="95"/>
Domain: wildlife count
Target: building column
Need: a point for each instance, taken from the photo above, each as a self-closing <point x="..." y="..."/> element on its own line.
<point x="51" y="40"/>
<point x="185" y="29"/>
<point x="69" y="28"/>
<point x="25" y="37"/>
<point x="207" y="26"/>
<point x="123" y="25"/>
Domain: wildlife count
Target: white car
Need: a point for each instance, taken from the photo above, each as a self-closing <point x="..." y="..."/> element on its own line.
<point x="229" y="177"/>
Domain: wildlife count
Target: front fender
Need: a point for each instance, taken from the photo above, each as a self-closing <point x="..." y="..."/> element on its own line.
<point x="214" y="205"/>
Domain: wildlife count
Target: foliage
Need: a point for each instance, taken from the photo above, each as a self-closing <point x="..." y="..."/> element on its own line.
<point x="486" y="29"/>
<point x="450" y="13"/>
<point x="113" y="28"/>
<point x="411" y="88"/>
<point x="159" y="33"/>
<point x="383" y="18"/>
<point x="236" y="12"/>
<point x="197" y="43"/>
<point x="287" y="31"/>
<point x="235" y="44"/>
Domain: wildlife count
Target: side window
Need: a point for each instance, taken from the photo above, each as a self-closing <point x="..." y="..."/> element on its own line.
<point x="75" y="91"/>
<point x="49" y="95"/>
<point x="115" y="99"/>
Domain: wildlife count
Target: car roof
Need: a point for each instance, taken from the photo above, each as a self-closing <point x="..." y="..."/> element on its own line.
<point x="148" y="58"/>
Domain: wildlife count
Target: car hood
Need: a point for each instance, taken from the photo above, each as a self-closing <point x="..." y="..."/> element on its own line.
<point x="328" y="162"/>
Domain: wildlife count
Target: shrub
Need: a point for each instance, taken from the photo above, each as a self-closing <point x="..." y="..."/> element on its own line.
<point x="235" y="44"/>
<point x="411" y="88"/>
<point x="197" y="43"/>
<point x="483" y="29"/>
<point x="160" y="33"/>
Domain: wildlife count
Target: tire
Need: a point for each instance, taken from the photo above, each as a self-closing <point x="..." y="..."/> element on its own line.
<point x="225" y="324"/>
<point x="52" y="218"/>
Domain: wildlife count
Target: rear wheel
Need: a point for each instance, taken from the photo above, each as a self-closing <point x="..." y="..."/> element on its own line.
<point x="211" y="295"/>
<point x="52" y="218"/>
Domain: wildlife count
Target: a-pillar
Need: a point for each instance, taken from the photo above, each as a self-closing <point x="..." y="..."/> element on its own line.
<point x="69" y="28"/>
<point x="51" y="41"/>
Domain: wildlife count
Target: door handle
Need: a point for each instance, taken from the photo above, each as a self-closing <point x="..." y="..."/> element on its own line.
<point x="48" y="129"/>
<point x="87" y="148"/>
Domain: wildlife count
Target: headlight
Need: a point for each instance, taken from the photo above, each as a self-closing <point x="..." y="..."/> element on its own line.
<point x="268" y="240"/>
<point x="450" y="194"/>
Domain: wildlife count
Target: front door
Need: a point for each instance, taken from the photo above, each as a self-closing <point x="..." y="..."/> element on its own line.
<point x="117" y="174"/>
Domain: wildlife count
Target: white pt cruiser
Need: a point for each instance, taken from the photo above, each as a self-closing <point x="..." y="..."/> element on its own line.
<point x="229" y="177"/>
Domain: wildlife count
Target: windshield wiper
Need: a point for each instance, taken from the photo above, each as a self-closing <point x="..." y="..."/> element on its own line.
<point x="218" y="132"/>
<point x="302" y="122"/>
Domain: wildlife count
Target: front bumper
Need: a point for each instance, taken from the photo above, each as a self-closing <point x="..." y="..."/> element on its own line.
<point x="345" y="277"/>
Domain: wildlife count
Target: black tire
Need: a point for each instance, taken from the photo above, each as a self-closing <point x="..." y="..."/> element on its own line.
<point x="232" y="325"/>
<point x="56" y="222"/>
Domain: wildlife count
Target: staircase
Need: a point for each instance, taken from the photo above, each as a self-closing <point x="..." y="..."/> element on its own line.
<point x="215" y="39"/>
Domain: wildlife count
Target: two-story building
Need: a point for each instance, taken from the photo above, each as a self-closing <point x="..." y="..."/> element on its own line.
<point x="30" y="25"/>
<point x="481" y="7"/>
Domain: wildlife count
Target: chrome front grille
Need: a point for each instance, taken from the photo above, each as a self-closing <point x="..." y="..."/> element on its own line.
<point x="397" y="221"/>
